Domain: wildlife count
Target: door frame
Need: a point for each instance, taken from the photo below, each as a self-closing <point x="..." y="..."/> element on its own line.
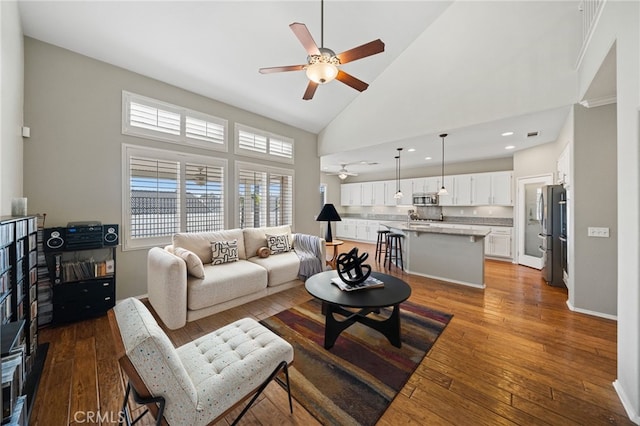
<point x="521" y="258"/>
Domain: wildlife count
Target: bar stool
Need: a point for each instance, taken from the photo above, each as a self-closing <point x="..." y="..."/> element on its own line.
<point x="381" y="242"/>
<point x="394" y="250"/>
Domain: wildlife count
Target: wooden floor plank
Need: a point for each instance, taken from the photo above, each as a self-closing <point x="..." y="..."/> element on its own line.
<point x="512" y="354"/>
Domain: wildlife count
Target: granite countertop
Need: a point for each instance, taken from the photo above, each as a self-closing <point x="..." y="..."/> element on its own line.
<point x="454" y="220"/>
<point x="422" y="227"/>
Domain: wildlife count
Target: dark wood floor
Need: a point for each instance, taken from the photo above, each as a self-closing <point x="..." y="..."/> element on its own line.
<point x="512" y="354"/>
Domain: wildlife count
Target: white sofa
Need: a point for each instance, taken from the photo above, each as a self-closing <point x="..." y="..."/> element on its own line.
<point x="184" y="285"/>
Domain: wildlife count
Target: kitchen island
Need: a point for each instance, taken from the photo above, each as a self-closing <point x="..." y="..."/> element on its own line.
<point x="449" y="254"/>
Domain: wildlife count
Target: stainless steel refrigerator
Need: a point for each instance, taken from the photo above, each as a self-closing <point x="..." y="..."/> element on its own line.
<point x="552" y="217"/>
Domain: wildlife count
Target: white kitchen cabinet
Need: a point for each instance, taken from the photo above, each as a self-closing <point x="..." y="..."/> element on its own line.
<point x="498" y="243"/>
<point x="459" y="191"/>
<point x="406" y="186"/>
<point x="564" y="167"/>
<point x="351" y="194"/>
<point x="492" y="189"/>
<point x="373" y="193"/>
<point x="346" y="229"/>
<point x="367" y="230"/>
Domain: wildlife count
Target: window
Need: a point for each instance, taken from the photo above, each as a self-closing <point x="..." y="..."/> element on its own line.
<point x="258" y="143"/>
<point x="265" y="195"/>
<point x="153" y="119"/>
<point x="167" y="192"/>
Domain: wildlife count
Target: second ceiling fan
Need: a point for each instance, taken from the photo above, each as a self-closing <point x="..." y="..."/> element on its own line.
<point x="322" y="63"/>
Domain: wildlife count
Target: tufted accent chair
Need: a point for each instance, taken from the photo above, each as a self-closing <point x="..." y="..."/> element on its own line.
<point x="201" y="381"/>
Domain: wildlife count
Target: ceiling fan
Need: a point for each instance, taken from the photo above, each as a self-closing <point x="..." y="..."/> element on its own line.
<point x="343" y="173"/>
<point x="322" y="63"/>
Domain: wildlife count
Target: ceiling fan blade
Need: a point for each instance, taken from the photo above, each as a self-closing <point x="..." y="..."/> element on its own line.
<point x="270" y="70"/>
<point x="303" y="34"/>
<point x="350" y="80"/>
<point x="311" y="90"/>
<point x="367" y="49"/>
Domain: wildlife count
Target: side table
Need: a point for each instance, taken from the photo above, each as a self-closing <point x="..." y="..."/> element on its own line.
<point x="334" y="244"/>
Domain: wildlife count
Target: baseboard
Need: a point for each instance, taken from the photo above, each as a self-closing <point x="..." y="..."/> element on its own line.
<point x="592" y="313"/>
<point x="634" y="416"/>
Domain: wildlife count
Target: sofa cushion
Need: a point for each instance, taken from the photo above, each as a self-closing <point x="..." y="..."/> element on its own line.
<point x="254" y="238"/>
<point x="225" y="282"/>
<point x="224" y="252"/>
<point x="194" y="264"/>
<point x="278" y="243"/>
<point x="281" y="268"/>
<point x="200" y="242"/>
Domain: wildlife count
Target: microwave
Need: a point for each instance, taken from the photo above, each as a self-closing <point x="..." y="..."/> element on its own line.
<point x="425" y="199"/>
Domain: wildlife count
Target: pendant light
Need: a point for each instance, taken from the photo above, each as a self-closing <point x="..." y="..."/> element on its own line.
<point x="443" y="190"/>
<point x="398" y="193"/>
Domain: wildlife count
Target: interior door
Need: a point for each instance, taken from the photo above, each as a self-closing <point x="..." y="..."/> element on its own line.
<point x="528" y="220"/>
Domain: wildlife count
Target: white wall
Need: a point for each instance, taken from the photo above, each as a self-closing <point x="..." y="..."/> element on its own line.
<point x="74" y="107"/>
<point x="475" y="64"/>
<point x="11" y="100"/>
<point x="620" y="24"/>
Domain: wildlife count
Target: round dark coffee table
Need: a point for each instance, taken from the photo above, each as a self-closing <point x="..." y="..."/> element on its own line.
<point x="334" y="300"/>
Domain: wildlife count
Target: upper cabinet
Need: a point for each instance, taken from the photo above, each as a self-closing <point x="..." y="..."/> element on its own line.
<point x="492" y="189"/>
<point x="351" y="194"/>
<point x="564" y="167"/>
<point x="373" y="193"/>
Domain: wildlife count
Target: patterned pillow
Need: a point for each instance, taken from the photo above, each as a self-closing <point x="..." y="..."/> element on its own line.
<point x="278" y="243"/>
<point x="224" y="252"/>
<point x="194" y="264"/>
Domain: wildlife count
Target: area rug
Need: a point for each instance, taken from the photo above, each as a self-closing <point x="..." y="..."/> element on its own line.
<point x="354" y="382"/>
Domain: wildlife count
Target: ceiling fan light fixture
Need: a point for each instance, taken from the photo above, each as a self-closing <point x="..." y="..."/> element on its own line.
<point x="323" y="68"/>
<point x="342" y="176"/>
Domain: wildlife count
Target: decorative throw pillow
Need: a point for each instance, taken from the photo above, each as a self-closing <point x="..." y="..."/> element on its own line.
<point x="278" y="243"/>
<point x="194" y="264"/>
<point x="263" y="252"/>
<point x="224" y="252"/>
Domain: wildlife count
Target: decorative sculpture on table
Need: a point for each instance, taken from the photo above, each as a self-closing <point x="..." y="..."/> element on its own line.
<point x="350" y="267"/>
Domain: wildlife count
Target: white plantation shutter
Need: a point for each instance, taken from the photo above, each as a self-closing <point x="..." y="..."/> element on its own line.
<point x="282" y="148"/>
<point x="154" y="201"/>
<point x="265" y="196"/>
<point x="261" y="144"/>
<point x="165" y="192"/>
<point x="252" y="141"/>
<point x="204" y="187"/>
<point x="204" y="130"/>
<point x="153" y="119"/>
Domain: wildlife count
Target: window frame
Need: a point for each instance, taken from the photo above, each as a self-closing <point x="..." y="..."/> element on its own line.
<point x="263" y="155"/>
<point x="182" y="138"/>
<point x="269" y="170"/>
<point x="128" y="151"/>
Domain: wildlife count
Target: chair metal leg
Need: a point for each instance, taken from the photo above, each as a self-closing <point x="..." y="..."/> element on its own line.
<point x="281" y="367"/>
<point x="141" y="401"/>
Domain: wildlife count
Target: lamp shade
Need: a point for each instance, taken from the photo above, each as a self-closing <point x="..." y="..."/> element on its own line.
<point x="328" y="214"/>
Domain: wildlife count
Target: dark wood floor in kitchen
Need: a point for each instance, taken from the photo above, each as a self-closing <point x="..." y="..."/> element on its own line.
<point x="513" y="354"/>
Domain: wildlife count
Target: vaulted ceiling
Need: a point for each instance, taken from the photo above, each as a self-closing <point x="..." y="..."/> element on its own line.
<point x="474" y="69"/>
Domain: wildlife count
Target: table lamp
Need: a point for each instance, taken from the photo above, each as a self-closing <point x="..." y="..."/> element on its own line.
<point x="328" y="214"/>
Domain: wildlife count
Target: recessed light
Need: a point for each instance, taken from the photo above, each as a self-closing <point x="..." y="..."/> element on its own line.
<point x="411" y="149"/>
<point x="427" y="158"/>
<point x="325" y="168"/>
<point x="509" y="147"/>
<point x="507" y="134"/>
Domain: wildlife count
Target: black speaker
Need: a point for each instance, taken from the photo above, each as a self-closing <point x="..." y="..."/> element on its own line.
<point x="110" y="235"/>
<point x="53" y="239"/>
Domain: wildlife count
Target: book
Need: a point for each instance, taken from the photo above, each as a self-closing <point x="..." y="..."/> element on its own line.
<point x="370" y="282"/>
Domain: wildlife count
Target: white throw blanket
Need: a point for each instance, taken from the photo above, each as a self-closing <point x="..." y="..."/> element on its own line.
<point x="307" y="248"/>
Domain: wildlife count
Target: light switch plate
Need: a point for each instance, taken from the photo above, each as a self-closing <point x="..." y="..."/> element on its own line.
<point x="593" y="231"/>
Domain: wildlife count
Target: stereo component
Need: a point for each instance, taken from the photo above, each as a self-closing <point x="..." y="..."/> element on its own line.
<point x="110" y="235"/>
<point x="53" y="239"/>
